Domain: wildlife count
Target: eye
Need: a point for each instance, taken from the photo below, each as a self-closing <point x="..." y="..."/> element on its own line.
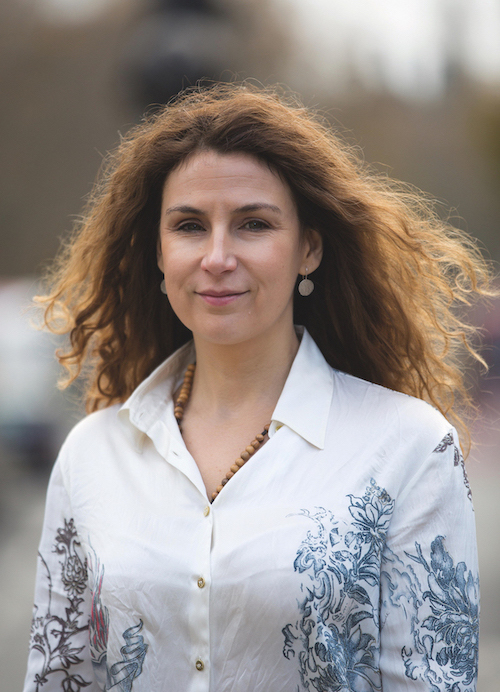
<point x="255" y="225"/>
<point x="190" y="227"/>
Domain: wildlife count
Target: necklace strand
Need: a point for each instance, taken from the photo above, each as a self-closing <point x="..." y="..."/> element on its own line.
<point x="255" y="444"/>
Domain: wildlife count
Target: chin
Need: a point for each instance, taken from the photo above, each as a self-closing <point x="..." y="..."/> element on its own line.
<point x="222" y="337"/>
<point x="225" y="334"/>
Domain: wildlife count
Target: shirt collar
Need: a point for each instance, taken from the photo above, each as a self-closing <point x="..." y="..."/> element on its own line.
<point x="150" y="401"/>
<point x="304" y="404"/>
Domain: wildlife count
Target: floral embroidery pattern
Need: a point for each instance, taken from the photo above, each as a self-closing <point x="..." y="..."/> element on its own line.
<point x="51" y="634"/>
<point x="446" y="442"/>
<point x="336" y="639"/>
<point x="120" y="675"/>
<point x="450" y="653"/>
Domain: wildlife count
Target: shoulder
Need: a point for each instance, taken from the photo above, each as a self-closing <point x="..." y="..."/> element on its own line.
<point x="380" y="411"/>
<point x="100" y="446"/>
<point x="396" y="438"/>
<point x="96" y="429"/>
<point x="97" y="420"/>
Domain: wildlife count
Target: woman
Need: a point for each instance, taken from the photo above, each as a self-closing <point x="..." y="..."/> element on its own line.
<point x="252" y="505"/>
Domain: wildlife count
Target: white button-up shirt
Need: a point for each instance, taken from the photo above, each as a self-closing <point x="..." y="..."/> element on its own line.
<point x="342" y="556"/>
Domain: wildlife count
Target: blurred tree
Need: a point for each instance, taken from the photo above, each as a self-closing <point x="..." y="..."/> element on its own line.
<point x="484" y="128"/>
<point x="432" y="146"/>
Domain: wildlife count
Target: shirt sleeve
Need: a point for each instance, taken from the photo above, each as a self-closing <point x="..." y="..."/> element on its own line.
<point x="429" y="606"/>
<point x="59" y="657"/>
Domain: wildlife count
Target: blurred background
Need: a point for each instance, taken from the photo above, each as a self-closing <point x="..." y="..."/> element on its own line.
<point x="414" y="83"/>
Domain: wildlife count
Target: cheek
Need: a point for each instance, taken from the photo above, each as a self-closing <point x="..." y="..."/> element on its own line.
<point x="284" y="263"/>
<point x="175" y="261"/>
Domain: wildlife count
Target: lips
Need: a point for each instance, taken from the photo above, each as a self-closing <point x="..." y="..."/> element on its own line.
<point x="218" y="298"/>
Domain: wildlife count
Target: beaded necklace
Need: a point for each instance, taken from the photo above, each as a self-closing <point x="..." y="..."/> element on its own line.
<point x="255" y="444"/>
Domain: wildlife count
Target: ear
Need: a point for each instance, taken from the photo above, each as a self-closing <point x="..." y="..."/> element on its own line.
<point x="313" y="251"/>
<point x="159" y="256"/>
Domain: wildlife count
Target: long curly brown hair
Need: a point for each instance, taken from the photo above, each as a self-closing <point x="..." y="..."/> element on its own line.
<point x="389" y="289"/>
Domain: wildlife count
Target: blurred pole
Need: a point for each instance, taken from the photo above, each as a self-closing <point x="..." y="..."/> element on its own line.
<point x="178" y="43"/>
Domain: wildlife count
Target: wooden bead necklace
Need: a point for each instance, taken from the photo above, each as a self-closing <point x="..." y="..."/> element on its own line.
<point x="255" y="444"/>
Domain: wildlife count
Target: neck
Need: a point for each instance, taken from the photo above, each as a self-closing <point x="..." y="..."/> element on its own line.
<point x="231" y="380"/>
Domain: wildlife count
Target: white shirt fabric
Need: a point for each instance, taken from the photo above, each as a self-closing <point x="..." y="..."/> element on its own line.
<point x="342" y="556"/>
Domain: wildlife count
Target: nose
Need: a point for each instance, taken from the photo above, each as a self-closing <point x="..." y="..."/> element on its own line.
<point x="218" y="256"/>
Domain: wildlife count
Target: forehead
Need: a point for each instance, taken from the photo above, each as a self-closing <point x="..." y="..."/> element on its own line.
<point x="209" y="173"/>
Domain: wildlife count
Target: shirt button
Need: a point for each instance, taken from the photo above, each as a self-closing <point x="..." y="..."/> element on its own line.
<point x="199" y="664"/>
<point x="201" y="582"/>
<point x="206" y="511"/>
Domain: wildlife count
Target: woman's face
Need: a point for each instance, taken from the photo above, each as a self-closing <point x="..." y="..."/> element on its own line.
<point x="230" y="248"/>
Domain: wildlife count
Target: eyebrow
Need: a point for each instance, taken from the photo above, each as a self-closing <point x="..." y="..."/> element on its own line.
<point x="257" y="206"/>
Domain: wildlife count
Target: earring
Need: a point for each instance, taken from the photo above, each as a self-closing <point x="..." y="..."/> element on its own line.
<point x="163" y="288"/>
<point x="306" y="286"/>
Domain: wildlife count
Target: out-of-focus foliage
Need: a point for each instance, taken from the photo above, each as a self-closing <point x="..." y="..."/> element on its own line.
<point x="484" y="126"/>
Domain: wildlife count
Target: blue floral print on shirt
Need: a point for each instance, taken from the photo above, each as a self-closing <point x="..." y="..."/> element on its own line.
<point x="458" y="458"/>
<point x="446" y="641"/>
<point x="336" y="639"/>
<point x="335" y="650"/>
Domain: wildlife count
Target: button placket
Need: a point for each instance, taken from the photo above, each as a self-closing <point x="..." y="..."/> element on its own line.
<point x="200" y="600"/>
